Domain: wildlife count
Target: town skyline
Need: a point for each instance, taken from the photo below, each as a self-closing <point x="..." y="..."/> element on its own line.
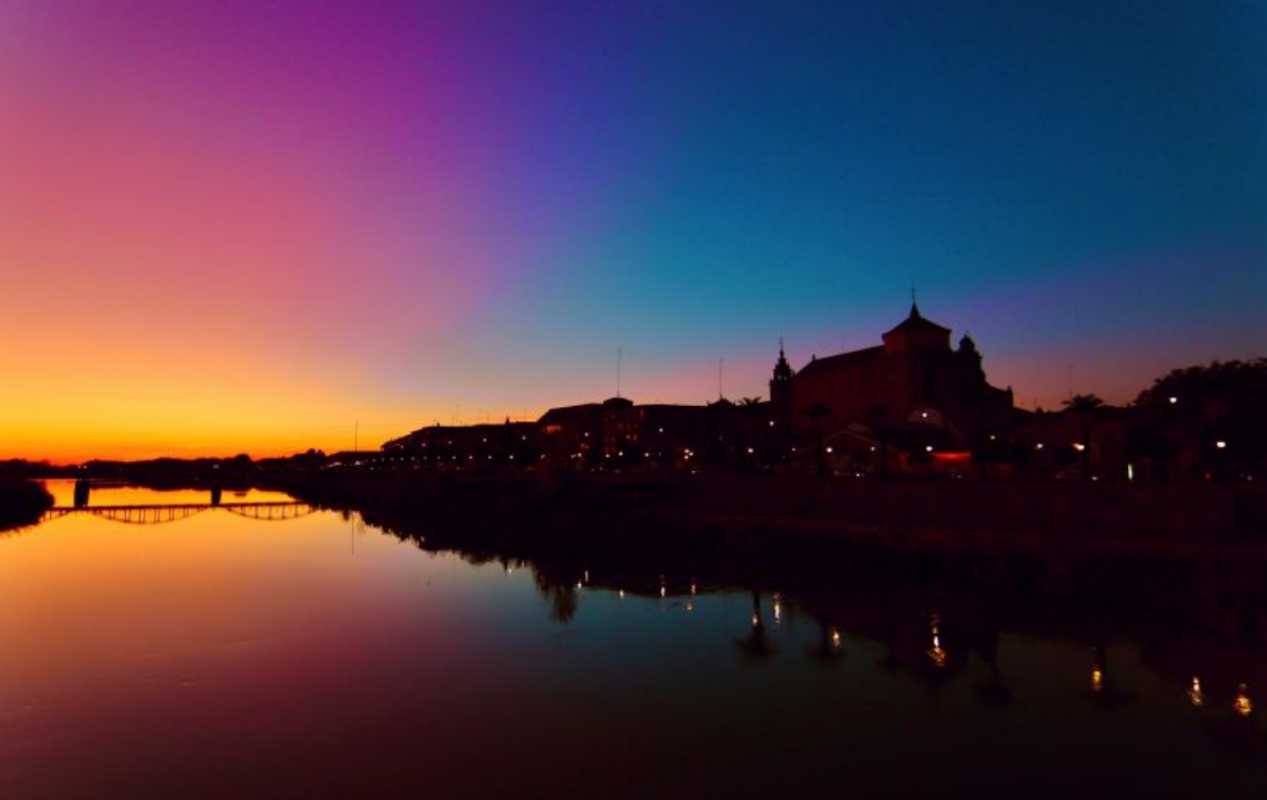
<point x="245" y="229"/>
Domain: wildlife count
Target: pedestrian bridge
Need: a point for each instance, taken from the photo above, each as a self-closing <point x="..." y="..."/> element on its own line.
<point x="158" y="514"/>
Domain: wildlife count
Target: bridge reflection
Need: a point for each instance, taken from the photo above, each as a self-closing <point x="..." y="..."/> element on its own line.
<point x="276" y="511"/>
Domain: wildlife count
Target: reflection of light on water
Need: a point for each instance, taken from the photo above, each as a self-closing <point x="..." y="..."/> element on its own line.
<point x="1195" y="695"/>
<point x="621" y="594"/>
<point x="586" y="576"/>
<point x="663" y="590"/>
<point x="690" y="604"/>
<point x="936" y="654"/>
<point x="578" y="584"/>
<point x="835" y="639"/>
<point x="756" y="620"/>
<point x="1097" y="679"/>
<point x="1243" y="705"/>
<point x="778" y="609"/>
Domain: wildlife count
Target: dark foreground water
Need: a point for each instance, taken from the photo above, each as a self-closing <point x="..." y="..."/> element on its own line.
<point x="221" y="655"/>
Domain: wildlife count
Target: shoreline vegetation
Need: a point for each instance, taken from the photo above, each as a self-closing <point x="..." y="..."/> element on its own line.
<point x="22" y="502"/>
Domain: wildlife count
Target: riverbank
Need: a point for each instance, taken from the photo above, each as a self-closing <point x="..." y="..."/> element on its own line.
<point x="22" y="503"/>
<point x="1065" y="517"/>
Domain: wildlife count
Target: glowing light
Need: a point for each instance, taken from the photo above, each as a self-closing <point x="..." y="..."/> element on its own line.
<point x="828" y="448"/>
<point x="771" y="423"/>
<point x="750" y="451"/>
<point x="1097" y="679"/>
<point x="756" y="620"/>
<point x="928" y="448"/>
<point x="1195" y="695"/>
<point x="1079" y="446"/>
<point x="1221" y="444"/>
<point x="1130" y="472"/>
<point x="1038" y="446"/>
<point x="936" y="654"/>
<point x="835" y="639"/>
<point x="621" y="594"/>
<point x="1243" y="706"/>
<point x="1173" y="400"/>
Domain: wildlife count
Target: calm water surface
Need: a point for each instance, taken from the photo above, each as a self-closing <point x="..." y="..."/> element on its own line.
<point x="221" y="655"/>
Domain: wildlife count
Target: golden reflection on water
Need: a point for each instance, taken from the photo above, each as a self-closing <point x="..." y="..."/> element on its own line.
<point x="936" y="654"/>
<point x="1195" y="695"/>
<point x="113" y="494"/>
<point x="1243" y="705"/>
<point x="185" y="620"/>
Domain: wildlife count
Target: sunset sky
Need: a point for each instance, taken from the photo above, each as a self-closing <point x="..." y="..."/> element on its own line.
<point x="248" y="227"/>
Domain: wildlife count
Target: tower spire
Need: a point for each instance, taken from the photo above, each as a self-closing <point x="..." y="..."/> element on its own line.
<point x="914" y="305"/>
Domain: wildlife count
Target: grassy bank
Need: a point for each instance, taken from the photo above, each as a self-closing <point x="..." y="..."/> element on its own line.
<point x="22" y="503"/>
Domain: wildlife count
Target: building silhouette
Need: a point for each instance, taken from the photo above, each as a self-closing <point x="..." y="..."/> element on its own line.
<point x="913" y="388"/>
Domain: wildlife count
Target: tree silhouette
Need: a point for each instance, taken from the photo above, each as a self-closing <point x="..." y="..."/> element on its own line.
<point x="1083" y="407"/>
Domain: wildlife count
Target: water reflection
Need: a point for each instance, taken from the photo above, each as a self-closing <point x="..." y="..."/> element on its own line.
<point x="1243" y="705"/>
<point x="936" y="654"/>
<point x="756" y="645"/>
<point x="1195" y="695"/>
<point x="223" y="630"/>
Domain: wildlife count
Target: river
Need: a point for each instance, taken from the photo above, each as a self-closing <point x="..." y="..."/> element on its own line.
<point x="219" y="654"/>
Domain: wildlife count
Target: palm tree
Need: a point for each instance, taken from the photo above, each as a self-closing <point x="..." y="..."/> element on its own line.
<point x="1083" y="407"/>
